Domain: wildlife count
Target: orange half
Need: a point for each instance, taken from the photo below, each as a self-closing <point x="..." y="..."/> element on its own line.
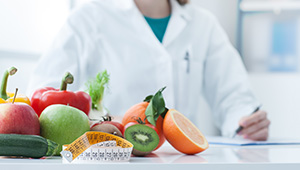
<point x="182" y="134"/>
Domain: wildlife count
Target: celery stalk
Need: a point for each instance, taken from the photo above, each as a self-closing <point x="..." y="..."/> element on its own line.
<point x="96" y="88"/>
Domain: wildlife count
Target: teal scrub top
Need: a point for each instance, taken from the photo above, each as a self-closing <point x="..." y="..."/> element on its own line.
<point x="158" y="26"/>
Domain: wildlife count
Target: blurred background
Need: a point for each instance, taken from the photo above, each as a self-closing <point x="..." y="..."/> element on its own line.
<point x="265" y="32"/>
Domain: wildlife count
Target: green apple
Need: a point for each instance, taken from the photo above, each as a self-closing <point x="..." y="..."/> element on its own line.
<point x="63" y="124"/>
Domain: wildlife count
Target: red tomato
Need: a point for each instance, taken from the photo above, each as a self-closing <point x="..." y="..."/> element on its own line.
<point x="116" y="124"/>
<point x="134" y="123"/>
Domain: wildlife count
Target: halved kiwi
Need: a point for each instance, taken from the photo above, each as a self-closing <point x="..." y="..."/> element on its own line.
<point x="143" y="138"/>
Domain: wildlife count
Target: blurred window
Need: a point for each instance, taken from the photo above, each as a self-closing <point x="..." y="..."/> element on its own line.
<point x="30" y="26"/>
<point x="270" y="35"/>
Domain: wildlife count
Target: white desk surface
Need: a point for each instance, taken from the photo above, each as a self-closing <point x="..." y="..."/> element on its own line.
<point x="215" y="157"/>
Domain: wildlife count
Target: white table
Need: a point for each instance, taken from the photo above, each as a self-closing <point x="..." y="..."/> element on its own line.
<point x="216" y="157"/>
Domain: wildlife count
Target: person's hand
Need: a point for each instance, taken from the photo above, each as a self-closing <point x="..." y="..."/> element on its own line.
<point x="255" y="126"/>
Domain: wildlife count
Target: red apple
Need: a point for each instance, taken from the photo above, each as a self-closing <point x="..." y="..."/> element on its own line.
<point x="18" y="118"/>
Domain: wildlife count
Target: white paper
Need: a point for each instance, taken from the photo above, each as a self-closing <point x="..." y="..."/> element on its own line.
<point x="218" y="140"/>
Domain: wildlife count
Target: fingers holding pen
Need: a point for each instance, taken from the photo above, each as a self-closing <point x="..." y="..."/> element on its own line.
<point x="255" y="126"/>
<point x="260" y="135"/>
<point x="253" y="119"/>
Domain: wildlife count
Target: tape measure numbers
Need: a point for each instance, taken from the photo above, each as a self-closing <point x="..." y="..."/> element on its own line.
<point x="98" y="146"/>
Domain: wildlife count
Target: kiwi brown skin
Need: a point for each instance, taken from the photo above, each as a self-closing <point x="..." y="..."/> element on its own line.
<point x="108" y="128"/>
<point x="139" y="153"/>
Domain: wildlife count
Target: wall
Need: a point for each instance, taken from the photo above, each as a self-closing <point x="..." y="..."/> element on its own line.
<point x="30" y="26"/>
<point x="225" y="11"/>
<point x="27" y="28"/>
<point x="280" y="95"/>
<point x="24" y="62"/>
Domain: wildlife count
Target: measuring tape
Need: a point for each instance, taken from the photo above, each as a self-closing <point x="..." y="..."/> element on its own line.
<point x="97" y="146"/>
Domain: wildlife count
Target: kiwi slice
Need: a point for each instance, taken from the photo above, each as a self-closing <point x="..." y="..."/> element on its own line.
<point x="144" y="139"/>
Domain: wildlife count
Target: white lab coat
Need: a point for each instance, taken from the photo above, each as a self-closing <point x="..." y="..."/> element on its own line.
<point x="194" y="59"/>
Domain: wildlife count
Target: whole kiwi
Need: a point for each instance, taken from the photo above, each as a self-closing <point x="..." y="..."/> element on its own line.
<point x="108" y="128"/>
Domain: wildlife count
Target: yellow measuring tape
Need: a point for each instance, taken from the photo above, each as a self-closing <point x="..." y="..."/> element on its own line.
<point x="98" y="146"/>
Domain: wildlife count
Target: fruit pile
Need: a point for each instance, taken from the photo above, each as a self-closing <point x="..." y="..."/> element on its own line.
<point x="148" y="124"/>
<point x="54" y="117"/>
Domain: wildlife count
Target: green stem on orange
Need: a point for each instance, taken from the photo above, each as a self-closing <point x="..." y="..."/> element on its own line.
<point x="140" y="121"/>
<point x="67" y="79"/>
<point x="9" y="72"/>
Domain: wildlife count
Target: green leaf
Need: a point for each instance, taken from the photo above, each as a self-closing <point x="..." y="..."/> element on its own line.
<point x="150" y="112"/>
<point x="148" y="98"/>
<point x="96" y="89"/>
<point x="156" y="107"/>
<point x="159" y="103"/>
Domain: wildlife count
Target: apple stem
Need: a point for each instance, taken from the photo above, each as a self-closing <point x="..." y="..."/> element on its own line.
<point x="15" y="96"/>
<point x="9" y="72"/>
<point x="67" y="79"/>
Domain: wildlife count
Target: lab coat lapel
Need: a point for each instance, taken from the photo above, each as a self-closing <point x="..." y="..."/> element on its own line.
<point x="178" y="21"/>
<point x="140" y="24"/>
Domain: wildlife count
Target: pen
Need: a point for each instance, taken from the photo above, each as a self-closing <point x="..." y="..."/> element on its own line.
<point x="240" y="127"/>
<point x="187" y="58"/>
